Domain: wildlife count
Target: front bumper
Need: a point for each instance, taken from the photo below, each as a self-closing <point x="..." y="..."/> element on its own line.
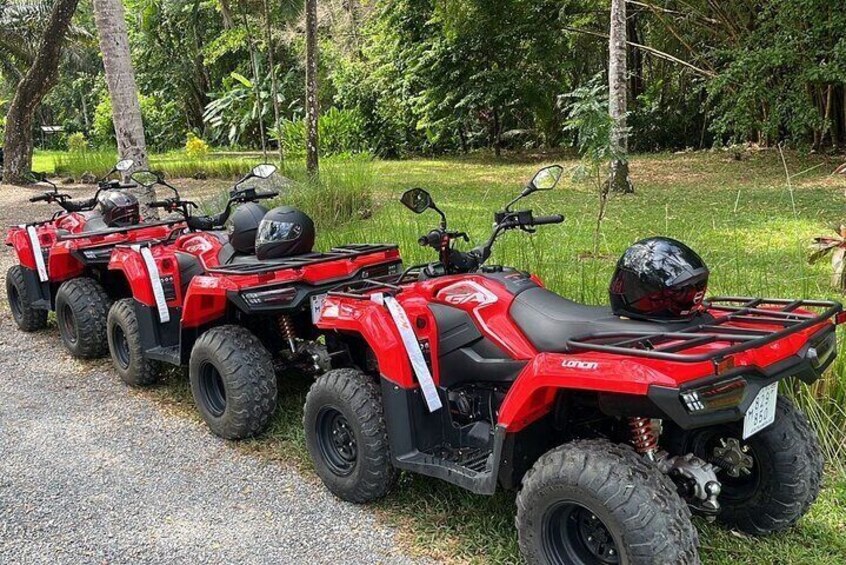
<point x="808" y="365"/>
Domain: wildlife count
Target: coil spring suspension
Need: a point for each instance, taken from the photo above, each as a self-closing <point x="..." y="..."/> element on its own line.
<point x="644" y="438"/>
<point x="286" y="330"/>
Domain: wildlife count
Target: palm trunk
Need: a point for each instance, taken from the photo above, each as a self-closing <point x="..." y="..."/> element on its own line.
<point x="312" y="108"/>
<point x="39" y="79"/>
<point x="617" y="93"/>
<point x="120" y="78"/>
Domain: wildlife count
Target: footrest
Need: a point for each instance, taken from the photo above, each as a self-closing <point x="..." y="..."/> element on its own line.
<point x="167" y="354"/>
<point x="471" y="468"/>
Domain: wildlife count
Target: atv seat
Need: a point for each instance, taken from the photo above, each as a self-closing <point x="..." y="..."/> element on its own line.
<point x="189" y="267"/>
<point x="549" y="320"/>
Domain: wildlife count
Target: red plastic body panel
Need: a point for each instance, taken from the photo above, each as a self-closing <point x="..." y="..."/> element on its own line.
<point x="533" y="392"/>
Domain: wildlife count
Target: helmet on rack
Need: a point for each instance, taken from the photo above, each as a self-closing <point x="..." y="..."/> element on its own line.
<point x="659" y="279"/>
<point x="284" y="231"/>
<point x="244" y="224"/>
<point x="118" y="209"/>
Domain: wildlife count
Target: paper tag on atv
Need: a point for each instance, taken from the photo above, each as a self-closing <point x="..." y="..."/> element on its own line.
<point x="762" y="411"/>
<point x="317" y="306"/>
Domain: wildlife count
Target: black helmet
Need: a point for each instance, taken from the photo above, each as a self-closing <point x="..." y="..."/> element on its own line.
<point x="118" y="209"/>
<point x="284" y="231"/>
<point x="659" y="279"/>
<point x="244" y="224"/>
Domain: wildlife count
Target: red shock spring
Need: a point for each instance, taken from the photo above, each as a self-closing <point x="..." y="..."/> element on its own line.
<point x="644" y="438"/>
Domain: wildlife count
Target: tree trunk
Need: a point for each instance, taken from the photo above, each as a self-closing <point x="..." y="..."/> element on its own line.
<point x="617" y="93"/>
<point x="29" y="92"/>
<point x="312" y="109"/>
<point x="120" y="78"/>
<point x="274" y="86"/>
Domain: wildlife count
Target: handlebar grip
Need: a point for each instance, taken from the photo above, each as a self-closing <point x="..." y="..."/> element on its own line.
<point x="553" y="219"/>
<point x="266" y="195"/>
<point x="431" y="239"/>
<point x="160" y="204"/>
<point x="42" y="198"/>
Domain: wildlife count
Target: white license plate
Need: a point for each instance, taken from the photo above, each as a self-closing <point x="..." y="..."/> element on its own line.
<point x="316" y="307"/>
<point x="762" y="411"/>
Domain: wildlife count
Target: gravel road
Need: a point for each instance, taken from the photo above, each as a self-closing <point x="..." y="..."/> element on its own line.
<point x="92" y="473"/>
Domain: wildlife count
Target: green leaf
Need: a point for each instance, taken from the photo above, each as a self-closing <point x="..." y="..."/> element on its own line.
<point x="242" y="79"/>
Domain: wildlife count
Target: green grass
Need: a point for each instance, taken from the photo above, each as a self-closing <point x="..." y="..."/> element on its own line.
<point x="738" y="214"/>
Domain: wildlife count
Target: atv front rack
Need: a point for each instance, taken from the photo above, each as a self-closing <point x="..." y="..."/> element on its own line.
<point x="298" y="261"/>
<point x="747" y="324"/>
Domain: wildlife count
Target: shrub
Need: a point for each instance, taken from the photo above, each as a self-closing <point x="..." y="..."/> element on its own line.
<point x="195" y="147"/>
<point x="163" y="125"/>
<point x="340" y="131"/>
<point x="77" y="142"/>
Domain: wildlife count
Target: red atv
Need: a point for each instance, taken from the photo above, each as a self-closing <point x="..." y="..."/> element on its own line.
<point x="62" y="263"/>
<point x="613" y="428"/>
<point x="206" y="300"/>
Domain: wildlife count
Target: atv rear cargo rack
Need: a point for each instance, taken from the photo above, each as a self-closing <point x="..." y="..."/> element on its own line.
<point x="299" y="261"/>
<point x="364" y="288"/>
<point x="671" y="346"/>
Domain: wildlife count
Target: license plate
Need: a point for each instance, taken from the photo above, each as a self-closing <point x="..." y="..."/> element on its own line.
<point x="762" y="411"/>
<point x="316" y="307"/>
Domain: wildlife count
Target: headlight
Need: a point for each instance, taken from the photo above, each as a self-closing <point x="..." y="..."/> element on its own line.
<point x="716" y="396"/>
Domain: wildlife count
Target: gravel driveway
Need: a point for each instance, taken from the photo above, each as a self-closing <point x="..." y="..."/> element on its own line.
<point x="90" y="472"/>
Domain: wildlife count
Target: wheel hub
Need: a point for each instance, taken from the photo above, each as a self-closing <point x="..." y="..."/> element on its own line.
<point x="575" y="534"/>
<point x="733" y="458"/>
<point x="336" y="440"/>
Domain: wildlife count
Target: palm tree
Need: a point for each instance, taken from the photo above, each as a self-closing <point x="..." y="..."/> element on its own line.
<point x="120" y="78"/>
<point x="33" y="85"/>
<point x="312" y="107"/>
<point x="617" y="93"/>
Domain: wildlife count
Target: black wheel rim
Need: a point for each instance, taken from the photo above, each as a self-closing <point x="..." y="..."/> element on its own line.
<point x="336" y="440"/>
<point x="574" y="534"/>
<point x="734" y="490"/>
<point x="15" y="302"/>
<point x="212" y="390"/>
<point x="121" y="346"/>
<point x="67" y="323"/>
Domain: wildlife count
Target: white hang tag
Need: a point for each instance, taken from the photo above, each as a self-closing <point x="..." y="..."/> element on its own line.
<point x="415" y="355"/>
<point x="36" y="252"/>
<point x="155" y="281"/>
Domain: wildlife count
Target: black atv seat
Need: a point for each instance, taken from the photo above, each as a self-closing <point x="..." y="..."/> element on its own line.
<point x="549" y="320"/>
<point x="189" y="267"/>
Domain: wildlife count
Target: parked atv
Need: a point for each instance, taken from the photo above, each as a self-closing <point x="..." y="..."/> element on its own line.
<point x="62" y="262"/>
<point x="233" y="307"/>
<point x="613" y="427"/>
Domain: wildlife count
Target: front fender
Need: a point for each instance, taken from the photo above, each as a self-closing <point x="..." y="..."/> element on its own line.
<point x="374" y="324"/>
<point x="129" y="262"/>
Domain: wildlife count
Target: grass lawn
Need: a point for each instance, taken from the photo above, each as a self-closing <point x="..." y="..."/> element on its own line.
<point x="742" y="218"/>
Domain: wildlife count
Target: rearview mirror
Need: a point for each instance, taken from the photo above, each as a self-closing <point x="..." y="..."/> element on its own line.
<point x="417" y="200"/>
<point x="547" y="178"/>
<point x="145" y="178"/>
<point x="124" y="165"/>
<point x="263" y="171"/>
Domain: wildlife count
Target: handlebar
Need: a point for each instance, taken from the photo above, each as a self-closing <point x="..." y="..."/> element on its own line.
<point x="42" y="198"/>
<point x="552" y="219"/>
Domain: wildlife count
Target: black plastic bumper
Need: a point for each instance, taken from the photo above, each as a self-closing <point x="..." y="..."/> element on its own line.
<point x="804" y="366"/>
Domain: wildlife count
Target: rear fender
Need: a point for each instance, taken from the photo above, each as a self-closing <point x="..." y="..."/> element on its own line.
<point x="533" y="394"/>
<point x="373" y="323"/>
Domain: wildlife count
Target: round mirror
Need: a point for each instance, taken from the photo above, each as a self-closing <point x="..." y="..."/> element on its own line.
<point x="145" y="178"/>
<point x="263" y="171"/>
<point x="547" y="177"/>
<point x="124" y="165"/>
<point x="417" y="200"/>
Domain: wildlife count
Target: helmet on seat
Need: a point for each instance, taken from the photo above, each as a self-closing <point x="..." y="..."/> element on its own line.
<point x="660" y="279"/>
<point x="118" y="209"/>
<point x="244" y="224"/>
<point x="283" y="232"/>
